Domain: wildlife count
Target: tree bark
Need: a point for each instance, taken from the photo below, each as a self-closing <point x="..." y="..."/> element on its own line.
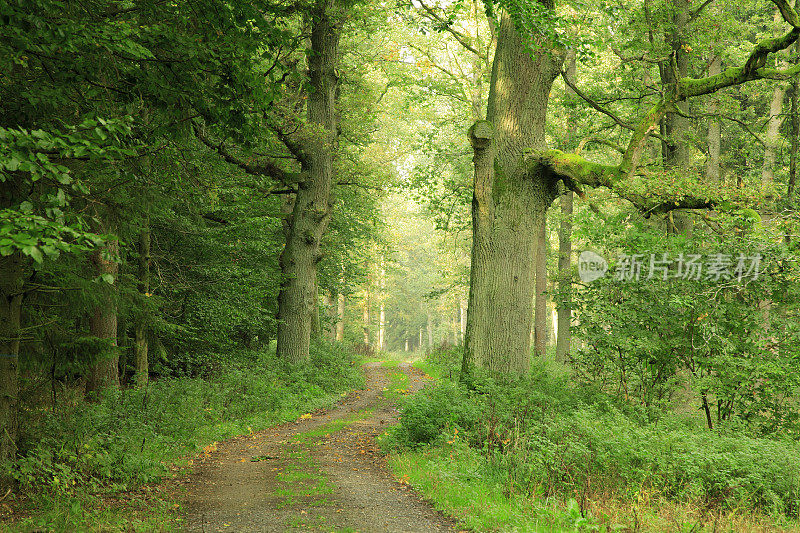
<point x="714" y="136"/>
<point x="462" y="315"/>
<point x="564" y="307"/>
<point x="430" y="331"/>
<point x="140" y="345"/>
<point x="103" y="320"/>
<point x="509" y="203"/>
<point x="331" y="311"/>
<point x="382" y="316"/>
<point x="382" y="329"/>
<point x="795" y="137"/>
<point x="772" y="137"/>
<point x="677" y="152"/>
<point x="540" y="303"/>
<point x="297" y="301"/>
<point x="12" y="280"/>
<point x="564" y="337"/>
<point x="366" y="315"/>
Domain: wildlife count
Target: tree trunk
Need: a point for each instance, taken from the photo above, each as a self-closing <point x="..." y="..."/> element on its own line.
<point x="714" y="136"/>
<point x="564" y="278"/>
<point x="366" y="317"/>
<point x="795" y="137"/>
<point x="677" y="153"/>
<point x="462" y="316"/>
<point x="509" y="203"/>
<point x="564" y="307"/>
<point x="340" y="308"/>
<point x="456" y="330"/>
<point x="330" y="311"/>
<point x="12" y="280"/>
<point x="297" y="301"/>
<point x="141" y="364"/>
<point x="430" y="331"/>
<point x="540" y="304"/>
<point x="382" y="329"/>
<point x="773" y="134"/>
<point x="103" y="320"/>
<point x="382" y="317"/>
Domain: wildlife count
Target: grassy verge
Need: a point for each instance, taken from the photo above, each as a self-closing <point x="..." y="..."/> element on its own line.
<point x="95" y="467"/>
<point x="545" y="454"/>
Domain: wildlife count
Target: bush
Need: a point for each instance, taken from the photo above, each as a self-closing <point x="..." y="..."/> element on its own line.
<point x="434" y="409"/>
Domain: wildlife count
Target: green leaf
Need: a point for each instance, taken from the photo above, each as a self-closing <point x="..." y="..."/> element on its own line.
<point x="34" y="252"/>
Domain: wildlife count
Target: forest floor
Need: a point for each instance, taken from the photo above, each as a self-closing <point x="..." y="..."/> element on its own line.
<point x="323" y="472"/>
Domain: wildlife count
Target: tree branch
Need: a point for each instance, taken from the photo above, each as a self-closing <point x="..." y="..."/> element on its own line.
<point x="575" y="171"/>
<point x="462" y="39"/>
<point x="602" y="109"/>
<point x="264" y="168"/>
<point x="753" y="68"/>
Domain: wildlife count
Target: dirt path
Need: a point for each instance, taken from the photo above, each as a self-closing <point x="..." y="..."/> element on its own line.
<point x="321" y="473"/>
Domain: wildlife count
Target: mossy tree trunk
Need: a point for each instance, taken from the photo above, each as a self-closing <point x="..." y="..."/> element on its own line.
<point x="564" y="306"/>
<point x="509" y="204"/>
<point x="794" y="141"/>
<point x="714" y="134"/>
<point x="540" y="314"/>
<point x="297" y="301"/>
<point x="512" y="191"/>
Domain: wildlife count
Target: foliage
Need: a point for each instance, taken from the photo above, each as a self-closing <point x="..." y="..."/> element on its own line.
<point x="647" y="339"/>
<point x="545" y="435"/>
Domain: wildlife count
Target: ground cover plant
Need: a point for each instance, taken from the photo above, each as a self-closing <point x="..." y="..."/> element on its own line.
<point x="547" y="449"/>
<point x="74" y="459"/>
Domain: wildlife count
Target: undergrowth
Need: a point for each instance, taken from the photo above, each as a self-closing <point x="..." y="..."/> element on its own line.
<point x="513" y="454"/>
<point x="73" y="461"/>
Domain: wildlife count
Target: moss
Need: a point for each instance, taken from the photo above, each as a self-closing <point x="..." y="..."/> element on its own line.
<point x="481" y="134"/>
<point x="579" y="169"/>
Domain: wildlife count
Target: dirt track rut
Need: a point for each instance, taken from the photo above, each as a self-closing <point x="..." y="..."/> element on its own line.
<point x="322" y="473"/>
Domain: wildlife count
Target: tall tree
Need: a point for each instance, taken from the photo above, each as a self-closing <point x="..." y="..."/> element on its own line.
<point x="297" y="302"/>
<point x="516" y="176"/>
<point x="509" y="202"/>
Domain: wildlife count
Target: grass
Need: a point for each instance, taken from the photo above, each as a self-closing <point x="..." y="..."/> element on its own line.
<point x="333" y="426"/>
<point x="448" y="479"/>
<point x="431" y="369"/>
<point x="399" y="386"/>
<point x="546" y="454"/>
<point x="451" y="478"/>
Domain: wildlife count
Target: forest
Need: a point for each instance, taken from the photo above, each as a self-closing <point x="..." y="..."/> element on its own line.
<point x="399" y="265"/>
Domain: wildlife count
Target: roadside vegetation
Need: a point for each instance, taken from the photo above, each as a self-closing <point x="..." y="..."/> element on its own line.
<point x="549" y="452"/>
<point x="88" y="466"/>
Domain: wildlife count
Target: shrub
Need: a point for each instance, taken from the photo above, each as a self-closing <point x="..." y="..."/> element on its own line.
<point x="546" y="434"/>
